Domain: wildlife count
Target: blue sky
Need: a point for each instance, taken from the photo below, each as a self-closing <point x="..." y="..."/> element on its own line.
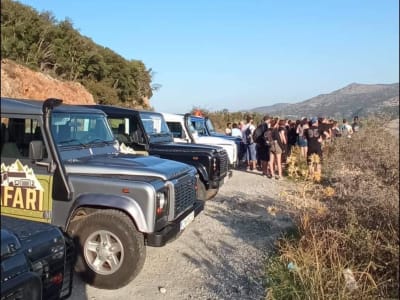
<point x="238" y="54"/>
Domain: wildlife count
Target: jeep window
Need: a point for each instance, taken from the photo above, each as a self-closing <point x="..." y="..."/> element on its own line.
<point x="16" y="134"/>
<point x="154" y="124"/>
<point x="176" y="129"/>
<point x="75" y="129"/>
<point x="120" y="129"/>
<point x="210" y="126"/>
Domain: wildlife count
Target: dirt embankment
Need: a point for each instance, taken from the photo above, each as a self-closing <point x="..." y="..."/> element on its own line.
<point x="20" y="82"/>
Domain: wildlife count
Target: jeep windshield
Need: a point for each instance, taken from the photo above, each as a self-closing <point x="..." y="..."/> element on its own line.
<point x="72" y="131"/>
<point x="155" y="126"/>
<point x="198" y="125"/>
<point x="210" y="126"/>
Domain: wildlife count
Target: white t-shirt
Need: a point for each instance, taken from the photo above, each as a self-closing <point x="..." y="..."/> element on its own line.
<point x="252" y="128"/>
<point x="236" y="132"/>
<point x="347" y="130"/>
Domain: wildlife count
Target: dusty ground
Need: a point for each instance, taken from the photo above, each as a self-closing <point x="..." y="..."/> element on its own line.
<point x="393" y="127"/>
<point x="219" y="256"/>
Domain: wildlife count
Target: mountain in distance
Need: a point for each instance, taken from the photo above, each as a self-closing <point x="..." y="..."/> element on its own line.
<point x="354" y="99"/>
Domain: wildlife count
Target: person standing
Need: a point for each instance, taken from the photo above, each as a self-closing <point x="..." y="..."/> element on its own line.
<point x="263" y="147"/>
<point x="347" y="130"/>
<point x="292" y="137"/>
<point x="336" y="132"/>
<point x="356" y="124"/>
<point x="282" y="140"/>
<point x="313" y="135"/>
<point x="275" y="158"/>
<point x="243" y="147"/>
<point x="250" y="145"/>
<point x="302" y="141"/>
<point x="228" y="129"/>
<point x="236" y="131"/>
<point x="325" y="127"/>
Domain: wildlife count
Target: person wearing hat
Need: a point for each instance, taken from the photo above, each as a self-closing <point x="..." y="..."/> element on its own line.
<point x="314" y="139"/>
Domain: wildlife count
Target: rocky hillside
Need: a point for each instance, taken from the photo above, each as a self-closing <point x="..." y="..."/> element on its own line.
<point x="20" y="82"/>
<point x="354" y="99"/>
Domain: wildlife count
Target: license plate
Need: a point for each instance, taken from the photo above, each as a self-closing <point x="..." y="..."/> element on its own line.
<point x="187" y="220"/>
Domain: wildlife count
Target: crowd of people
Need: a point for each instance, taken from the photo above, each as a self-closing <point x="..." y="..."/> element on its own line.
<point x="266" y="146"/>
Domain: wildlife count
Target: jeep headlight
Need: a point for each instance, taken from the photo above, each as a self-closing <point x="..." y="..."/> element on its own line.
<point x="161" y="203"/>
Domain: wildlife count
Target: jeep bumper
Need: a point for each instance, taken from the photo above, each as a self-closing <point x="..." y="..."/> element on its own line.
<point x="173" y="229"/>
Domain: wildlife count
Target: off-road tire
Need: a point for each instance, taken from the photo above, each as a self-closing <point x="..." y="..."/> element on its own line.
<point x="203" y="193"/>
<point x="119" y="225"/>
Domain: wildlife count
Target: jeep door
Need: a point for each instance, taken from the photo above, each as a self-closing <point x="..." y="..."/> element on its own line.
<point x="26" y="186"/>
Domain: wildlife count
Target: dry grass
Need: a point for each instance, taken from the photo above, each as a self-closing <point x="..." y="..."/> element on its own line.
<point x="348" y="242"/>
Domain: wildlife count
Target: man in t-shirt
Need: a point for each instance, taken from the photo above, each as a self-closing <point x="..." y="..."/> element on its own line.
<point x="262" y="147"/>
<point x="325" y="128"/>
<point x="356" y="124"/>
<point x="313" y="135"/>
<point x="347" y="130"/>
<point x="236" y="131"/>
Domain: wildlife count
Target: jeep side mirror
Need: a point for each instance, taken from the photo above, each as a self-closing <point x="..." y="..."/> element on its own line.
<point x="36" y="150"/>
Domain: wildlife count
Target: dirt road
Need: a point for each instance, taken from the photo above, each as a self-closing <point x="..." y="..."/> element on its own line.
<point x="219" y="256"/>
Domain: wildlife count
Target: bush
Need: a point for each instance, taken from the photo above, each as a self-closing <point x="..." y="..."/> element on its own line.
<point x="350" y="249"/>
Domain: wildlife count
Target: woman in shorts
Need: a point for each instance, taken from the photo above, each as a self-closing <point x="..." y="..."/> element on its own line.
<point x="302" y="140"/>
<point x="275" y="157"/>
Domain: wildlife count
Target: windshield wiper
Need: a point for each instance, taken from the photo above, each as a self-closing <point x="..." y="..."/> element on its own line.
<point x="99" y="141"/>
<point x="77" y="143"/>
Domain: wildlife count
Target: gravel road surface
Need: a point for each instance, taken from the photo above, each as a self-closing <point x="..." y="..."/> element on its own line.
<point x="218" y="256"/>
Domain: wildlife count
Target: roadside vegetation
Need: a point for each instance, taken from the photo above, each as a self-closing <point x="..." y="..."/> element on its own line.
<point x="42" y="43"/>
<point x="346" y="244"/>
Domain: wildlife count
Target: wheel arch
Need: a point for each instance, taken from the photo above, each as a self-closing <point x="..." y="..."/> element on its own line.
<point x="204" y="176"/>
<point x="87" y="204"/>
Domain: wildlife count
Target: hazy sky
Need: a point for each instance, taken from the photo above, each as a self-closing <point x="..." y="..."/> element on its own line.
<point x="242" y="54"/>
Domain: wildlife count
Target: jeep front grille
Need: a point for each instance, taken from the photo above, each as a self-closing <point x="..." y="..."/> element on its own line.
<point x="185" y="194"/>
<point x="223" y="162"/>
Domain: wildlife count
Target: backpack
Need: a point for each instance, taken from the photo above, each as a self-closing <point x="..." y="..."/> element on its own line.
<point x="258" y="134"/>
<point x="268" y="137"/>
<point x="248" y="135"/>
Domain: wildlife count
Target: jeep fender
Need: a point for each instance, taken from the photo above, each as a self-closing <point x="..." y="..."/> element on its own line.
<point x="201" y="169"/>
<point x="125" y="204"/>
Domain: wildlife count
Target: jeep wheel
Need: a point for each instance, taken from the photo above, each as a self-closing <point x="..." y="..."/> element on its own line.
<point x="211" y="193"/>
<point x="111" y="252"/>
<point x="203" y="194"/>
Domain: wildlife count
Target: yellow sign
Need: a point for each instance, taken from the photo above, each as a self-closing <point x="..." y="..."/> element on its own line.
<point x="25" y="195"/>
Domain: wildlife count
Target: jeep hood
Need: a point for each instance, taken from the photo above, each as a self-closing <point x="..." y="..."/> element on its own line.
<point x="228" y="145"/>
<point x="214" y="140"/>
<point x="127" y="164"/>
<point x="185" y="148"/>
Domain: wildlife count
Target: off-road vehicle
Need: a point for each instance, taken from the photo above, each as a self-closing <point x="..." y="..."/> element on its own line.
<point x="147" y="131"/>
<point x="62" y="165"/>
<point x="36" y="260"/>
<point x="204" y="124"/>
<point x="184" y="131"/>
